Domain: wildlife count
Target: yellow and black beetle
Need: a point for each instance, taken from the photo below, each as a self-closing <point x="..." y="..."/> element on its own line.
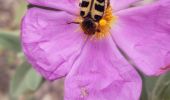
<point x="92" y="11"/>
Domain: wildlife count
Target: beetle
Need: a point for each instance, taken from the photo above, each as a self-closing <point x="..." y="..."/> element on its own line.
<point x="92" y="12"/>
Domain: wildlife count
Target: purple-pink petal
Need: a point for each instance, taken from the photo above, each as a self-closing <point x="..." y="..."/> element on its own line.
<point x="121" y="4"/>
<point x="49" y="43"/>
<point x="143" y="33"/>
<point x="70" y="6"/>
<point x="102" y="73"/>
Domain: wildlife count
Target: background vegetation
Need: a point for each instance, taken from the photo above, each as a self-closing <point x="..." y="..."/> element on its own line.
<point x="18" y="81"/>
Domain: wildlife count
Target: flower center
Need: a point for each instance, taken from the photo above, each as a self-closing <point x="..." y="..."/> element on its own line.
<point x="99" y="28"/>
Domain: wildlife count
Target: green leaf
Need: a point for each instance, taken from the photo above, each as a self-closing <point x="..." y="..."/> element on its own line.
<point x="10" y="42"/>
<point x="156" y="88"/>
<point x="162" y="88"/>
<point x="147" y="86"/>
<point x="25" y="81"/>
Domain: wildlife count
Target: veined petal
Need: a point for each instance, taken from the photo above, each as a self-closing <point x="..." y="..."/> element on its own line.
<point x="102" y="73"/>
<point x="71" y="6"/>
<point x="49" y="42"/>
<point x="121" y="4"/>
<point x="143" y="33"/>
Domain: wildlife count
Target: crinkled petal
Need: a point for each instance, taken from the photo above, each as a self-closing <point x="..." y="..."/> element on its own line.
<point x="121" y="4"/>
<point x="49" y="43"/>
<point x="70" y="6"/>
<point x="143" y="33"/>
<point x="102" y="73"/>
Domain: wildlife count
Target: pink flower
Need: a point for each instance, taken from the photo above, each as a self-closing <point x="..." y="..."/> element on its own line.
<point x="96" y="69"/>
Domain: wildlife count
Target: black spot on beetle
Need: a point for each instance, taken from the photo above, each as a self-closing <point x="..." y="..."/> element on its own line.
<point x="82" y="13"/>
<point x="97" y="17"/>
<point x="84" y="4"/>
<point x="99" y="8"/>
<point x="101" y="1"/>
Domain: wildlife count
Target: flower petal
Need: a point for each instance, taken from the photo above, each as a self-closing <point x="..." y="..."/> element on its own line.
<point x="144" y="35"/>
<point x="49" y="43"/>
<point x="71" y="6"/>
<point x="121" y="4"/>
<point x="102" y="72"/>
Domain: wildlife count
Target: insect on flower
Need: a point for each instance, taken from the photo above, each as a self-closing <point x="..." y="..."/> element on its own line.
<point x="96" y="17"/>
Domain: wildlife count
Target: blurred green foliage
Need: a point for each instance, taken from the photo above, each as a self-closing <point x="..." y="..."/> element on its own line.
<point x="156" y="88"/>
<point x="10" y="42"/>
<point x="25" y="81"/>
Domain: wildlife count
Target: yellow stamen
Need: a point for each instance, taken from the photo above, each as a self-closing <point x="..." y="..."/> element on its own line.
<point x="102" y="22"/>
<point x="105" y="23"/>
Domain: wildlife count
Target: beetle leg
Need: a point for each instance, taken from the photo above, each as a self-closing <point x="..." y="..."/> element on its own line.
<point x="77" y="21"/>
<point x="73" y="22"/>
